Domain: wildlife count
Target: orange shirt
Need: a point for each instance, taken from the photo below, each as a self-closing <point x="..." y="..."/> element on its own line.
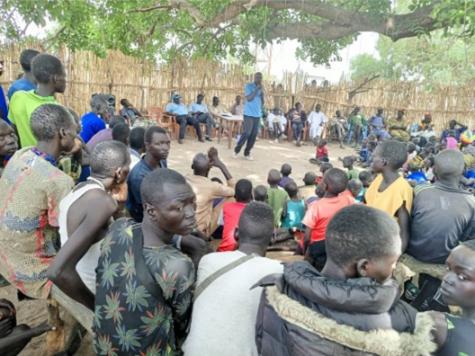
<point x="321" y="212"/>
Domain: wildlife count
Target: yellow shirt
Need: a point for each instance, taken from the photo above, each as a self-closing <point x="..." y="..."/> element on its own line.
<point x="392" y="198"/>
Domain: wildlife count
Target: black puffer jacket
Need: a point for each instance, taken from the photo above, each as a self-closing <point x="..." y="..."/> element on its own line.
<point x="303" y="313"/>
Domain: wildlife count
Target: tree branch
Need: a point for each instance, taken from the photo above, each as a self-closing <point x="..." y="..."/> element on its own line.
<point x="339" y="22"/>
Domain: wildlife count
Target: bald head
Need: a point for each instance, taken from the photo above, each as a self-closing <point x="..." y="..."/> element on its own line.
<point x="200" y="164"/>
<point x="336" y="180"/>
<point x="273" y="177"/>
<point x="449" y="164"/>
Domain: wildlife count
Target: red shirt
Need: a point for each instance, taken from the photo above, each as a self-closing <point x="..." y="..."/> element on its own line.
<point x="322" y="152"/>
<point x="321" y="212"/>
<point x="231" y="214"/>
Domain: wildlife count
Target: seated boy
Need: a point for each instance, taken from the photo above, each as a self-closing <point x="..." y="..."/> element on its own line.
<point x="356" y="189"/>
<point x="232" y="212"/>
<point x="260" y="193"/>
<point x="144" y="284"/>
<point x="321" y="154"/>
<point x="322" y="211"/>
<point x="294" y="209"/>
<point x="286" y="171"/>
<point x="366" y="179"/>
<point x="455" y="333"/>
<point x="276" y="196"/>
<point x="308" y="190"/>
<point x="348" y="163"/>
<point x="352" y="306"/>
<point x="82" y="229"/>
<point x="389" y="191"/>
<point x="224" y="313"/>
<point x="442" y="217"/>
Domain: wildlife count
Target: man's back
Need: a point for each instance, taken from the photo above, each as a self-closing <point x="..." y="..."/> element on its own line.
<point x="441" y="217"/>
<point x="128" y="319"/>
<point x="31" y="191"/>
<point x="224" y="315"/>
<point x="206" y="191"/>
<point x="22" y="105"/>
<point x="320" y="213"/>
<point x="20" y="84"/>
<point x="91" y="124"/>
<point x="276" y="198"/>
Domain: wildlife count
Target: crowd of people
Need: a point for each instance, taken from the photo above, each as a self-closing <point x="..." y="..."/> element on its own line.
<point x="90" y="205"/>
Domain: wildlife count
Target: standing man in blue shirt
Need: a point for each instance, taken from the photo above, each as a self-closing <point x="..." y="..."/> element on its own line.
<point x="95" y="120"/>
<point x="200" y="112"/>
<point x="183" y="118"/>
<point x="27" y="81"/>
<point x="3" y="101"/>
<point x="253" y="104"/>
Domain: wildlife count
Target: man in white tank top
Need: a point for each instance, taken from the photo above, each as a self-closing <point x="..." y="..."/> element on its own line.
<point x="84" y="216"/>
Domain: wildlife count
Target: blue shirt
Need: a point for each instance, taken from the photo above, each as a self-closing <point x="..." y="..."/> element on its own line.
<point x="91" y="124"/>
<point x="20" y="84"/>
<point x="176" y="109"/>
<point x="195" y="107"/>
<point x="377" y="122"/>
<point x="134" y="181"/>
<point x="254" y="107"/>
<point x="3" y="106"/>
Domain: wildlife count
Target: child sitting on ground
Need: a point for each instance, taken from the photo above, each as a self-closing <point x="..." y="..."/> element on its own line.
<point x="321" y="211"/>
<point x="276" y="196"/>
<point x="294" y="209"/>
<point x="348" y="163"/>
<point x="260" y="193"/>
<point x="321" y="154"/>
<point x="286" y="171"/>
<point x="352" y="306"/>
<point x="308" y="190"/>
<point x="232" y="212"/>
<point x="366" y="178"/>
<point x="455" y="333"/>
<point x="324" y="167"/>
<point x="356" y="189"/>
<point x="389" y="191"/>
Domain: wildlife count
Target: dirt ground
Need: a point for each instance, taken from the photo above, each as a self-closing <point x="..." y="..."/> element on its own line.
<point x="267" y="155"/>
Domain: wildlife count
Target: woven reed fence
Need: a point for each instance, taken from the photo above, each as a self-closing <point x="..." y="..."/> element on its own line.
<point x="147" y="85"/>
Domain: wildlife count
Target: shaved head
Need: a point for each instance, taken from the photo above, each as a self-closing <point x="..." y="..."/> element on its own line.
<point x="336" y="180"/>
<point x="200" y="164"/>
<point x="273" y="177"/>
<point x="448" y="164"/>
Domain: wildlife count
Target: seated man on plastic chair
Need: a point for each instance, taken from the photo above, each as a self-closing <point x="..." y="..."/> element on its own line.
<point x="183" y="118"/>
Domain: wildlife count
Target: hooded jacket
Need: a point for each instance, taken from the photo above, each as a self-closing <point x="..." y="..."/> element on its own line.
<point x="303" y="313"/>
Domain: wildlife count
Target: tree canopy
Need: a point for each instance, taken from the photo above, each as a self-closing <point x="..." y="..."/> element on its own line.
<point x="221" y="28"/>
<point x="433" y="60"/>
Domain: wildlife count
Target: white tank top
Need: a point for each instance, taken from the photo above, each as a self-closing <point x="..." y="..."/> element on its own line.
<point x="86" y="267"/>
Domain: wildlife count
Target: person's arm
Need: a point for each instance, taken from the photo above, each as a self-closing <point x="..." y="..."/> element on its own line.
<point x="440" y="331"/>
<point x="62" y="271"/>
<point x="215" y="161"/>
<point x="182" y="296"/>
<point x="250" y="95"/>
<point x="284" y="211"/>
<point x="195" y="247"/>
<point x="404" y="221"/>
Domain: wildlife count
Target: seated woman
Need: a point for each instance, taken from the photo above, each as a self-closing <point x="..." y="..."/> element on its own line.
<point x="398" y="127"/>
